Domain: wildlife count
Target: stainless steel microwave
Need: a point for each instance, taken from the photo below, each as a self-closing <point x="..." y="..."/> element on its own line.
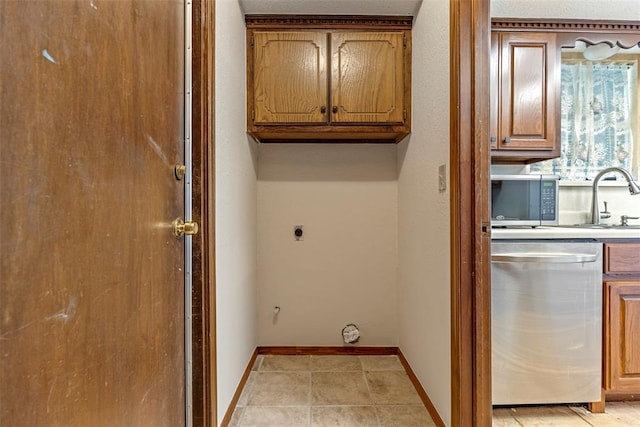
<point x="524" y="200"/>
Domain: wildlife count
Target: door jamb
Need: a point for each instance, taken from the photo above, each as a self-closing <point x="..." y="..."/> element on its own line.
<point x="203" y="199"/>
<point x="470" y="227"/>
<point x="470" y="352"/>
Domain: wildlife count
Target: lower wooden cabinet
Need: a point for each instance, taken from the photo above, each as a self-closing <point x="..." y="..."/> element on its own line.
<point x="622" y="336"/>
<point x="622" y="318"/>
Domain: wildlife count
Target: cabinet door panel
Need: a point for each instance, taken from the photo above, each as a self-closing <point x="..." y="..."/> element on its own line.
<point x="367" y="77"/>
<point x="623" y="330"/>
<point x="622" y="258"/>
<point x="290" y="77"/>
<point x="528" y="92"/>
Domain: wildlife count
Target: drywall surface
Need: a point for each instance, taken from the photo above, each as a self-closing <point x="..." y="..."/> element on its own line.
<point x="423" y="218"/>
<point x="331" y="7"/>
<point x="574" y="9"/>
<point x="344" y="271"/>
<point x="574" y="203"/>
<point x="236" y="191"/>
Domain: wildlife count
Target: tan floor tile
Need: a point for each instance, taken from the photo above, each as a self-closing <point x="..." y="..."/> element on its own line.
<point x="381" y="363"/>
<point x="405" y="416"/>
<point x="335" y="363"/>
<point x="286" y="363"/>
<point x="257" y="363"/>
<point x="348" y="416"/>
<point x="275" y="416"/>
<point x="392" y="388"/>
<point x="280" y="388"/>
<point x="339" y="388"/>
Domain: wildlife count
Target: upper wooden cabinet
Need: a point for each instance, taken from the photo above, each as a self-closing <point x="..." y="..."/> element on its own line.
<point x="525" y="97"/>
<point x="328" y="79"/>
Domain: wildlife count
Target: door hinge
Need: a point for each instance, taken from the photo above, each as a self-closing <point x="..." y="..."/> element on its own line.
<point x="404" y="42"/>
<point x="253" y="115"/>
<point x="251" y="40"/>
<point x="404" y="115"/>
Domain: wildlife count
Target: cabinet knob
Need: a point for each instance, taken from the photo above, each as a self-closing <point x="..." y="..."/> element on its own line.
<point x="323" y="109"/>
<point x="507" y="140"/>
<point x="334" y="109"/>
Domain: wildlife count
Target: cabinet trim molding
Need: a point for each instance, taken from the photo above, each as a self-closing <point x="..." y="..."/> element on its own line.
<point x="561" y="25"/>
<point x="327" y="22"/>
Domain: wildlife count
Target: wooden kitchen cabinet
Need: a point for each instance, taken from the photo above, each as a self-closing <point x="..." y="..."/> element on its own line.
<point x="525" y="97"/>
<point x="328" y="79"/>
<point x="622" y="336"/>
<point x="622" y="318"/>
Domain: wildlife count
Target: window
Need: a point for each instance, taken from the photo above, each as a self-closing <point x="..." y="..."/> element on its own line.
<point x="598" y="118"/>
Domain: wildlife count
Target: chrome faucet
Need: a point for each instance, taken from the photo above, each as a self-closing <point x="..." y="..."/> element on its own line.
<point x="633" y="189"/>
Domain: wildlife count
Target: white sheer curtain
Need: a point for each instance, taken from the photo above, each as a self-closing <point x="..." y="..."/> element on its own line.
<point x="597" y="118"/>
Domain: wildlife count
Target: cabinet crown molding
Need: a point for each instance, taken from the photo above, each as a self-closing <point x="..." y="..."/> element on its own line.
<point x="562" y="25"/>
<point x="327" y="21"/>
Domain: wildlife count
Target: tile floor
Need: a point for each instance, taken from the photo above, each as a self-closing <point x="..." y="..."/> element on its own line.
<point x="376" y="391"/>
<point x="329" y="391"/>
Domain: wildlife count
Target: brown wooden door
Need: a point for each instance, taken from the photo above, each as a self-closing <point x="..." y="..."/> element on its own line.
<point x="91" y="277"/>
<point x="529" y="88"/>
<point x="290" y="76"/>
<point x="622" y="336"/>
<point x="367" y="84"/>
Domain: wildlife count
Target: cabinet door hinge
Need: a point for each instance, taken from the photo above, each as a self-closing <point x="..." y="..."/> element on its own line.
<point x="253" y="115"/>
<point x="251" y="40"/>
<point x="404" y="115"/>
<point x="404" y="42"/>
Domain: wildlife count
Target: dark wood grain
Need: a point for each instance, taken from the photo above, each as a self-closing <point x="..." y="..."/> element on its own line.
<point x="91" y="277"/>
<point x="313" y="79"/>
<point x="326" y="351"/>
<point x="203" y="201"/>
<point x="469" y="154"/>
<point x="622" y="258"/>
<point x="622" y="336"/>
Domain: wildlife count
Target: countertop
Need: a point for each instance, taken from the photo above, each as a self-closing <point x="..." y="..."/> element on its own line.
<point x="565" y="232"/>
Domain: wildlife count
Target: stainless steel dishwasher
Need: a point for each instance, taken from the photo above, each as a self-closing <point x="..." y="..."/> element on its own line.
<point x="546" y="321"/>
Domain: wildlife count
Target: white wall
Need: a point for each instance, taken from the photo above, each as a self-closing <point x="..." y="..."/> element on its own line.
<point x="575" y="203"/>
<point x="423" y="214"/>
<point x="571" y="9"/>
<point x="344" y="271"/>
<point x="236" y="191"/>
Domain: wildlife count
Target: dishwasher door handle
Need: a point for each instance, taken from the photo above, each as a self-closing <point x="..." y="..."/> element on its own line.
<point x="545" y="257"/>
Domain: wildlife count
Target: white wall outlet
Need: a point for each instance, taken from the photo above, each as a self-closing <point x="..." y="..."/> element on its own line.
<point x="442" y="178"/>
